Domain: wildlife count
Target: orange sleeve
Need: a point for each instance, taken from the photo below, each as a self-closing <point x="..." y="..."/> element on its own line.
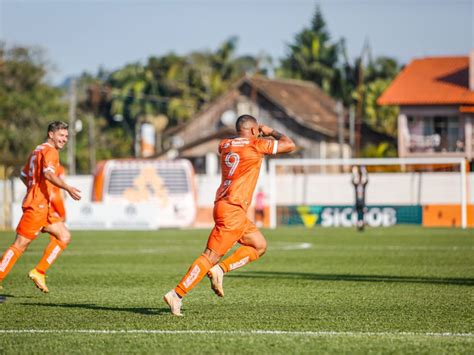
<point x="266" y="146"/>
<point x="222" y="144"/>
<point x="50" y="161"/>
<point x="60" y="172"/>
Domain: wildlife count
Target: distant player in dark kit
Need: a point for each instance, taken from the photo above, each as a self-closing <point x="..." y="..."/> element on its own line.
<point x="360" y="179"/>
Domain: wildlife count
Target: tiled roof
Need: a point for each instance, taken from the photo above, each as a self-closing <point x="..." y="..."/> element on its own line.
<point x="293" y="100"/>
<point x="431" y="81"/>
<point x="304" y="101"/>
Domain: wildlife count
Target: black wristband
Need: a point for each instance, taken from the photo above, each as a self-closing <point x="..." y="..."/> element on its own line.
<point x="275" y="134"/>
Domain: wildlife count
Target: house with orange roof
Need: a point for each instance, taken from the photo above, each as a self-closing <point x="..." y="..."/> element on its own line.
<point x="436" y="99"/>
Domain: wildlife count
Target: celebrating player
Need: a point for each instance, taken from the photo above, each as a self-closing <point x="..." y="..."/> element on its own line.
<point x="360" y="180"/>
<point x="40" y="175"/>
<point x="57" y="210"/>
<point x="241" y="158"/>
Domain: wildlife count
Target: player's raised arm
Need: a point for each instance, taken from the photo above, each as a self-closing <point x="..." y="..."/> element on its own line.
<point x="57" y="181"/>
<point x="285" y="143"/>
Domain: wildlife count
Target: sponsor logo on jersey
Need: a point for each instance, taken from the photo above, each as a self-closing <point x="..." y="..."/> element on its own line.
<point x="239" y="142"/>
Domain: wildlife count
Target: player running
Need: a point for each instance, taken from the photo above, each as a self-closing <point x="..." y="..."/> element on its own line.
<point x="40" y="175"/>
<point x="241" y="158"/>
<point x="57" y="211"/>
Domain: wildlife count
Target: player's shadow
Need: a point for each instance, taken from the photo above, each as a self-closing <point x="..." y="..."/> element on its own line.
<point x="356" y="278"/>
<point x="94" y="307"/>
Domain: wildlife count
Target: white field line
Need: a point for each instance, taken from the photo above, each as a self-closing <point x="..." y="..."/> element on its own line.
<point x="291" y="246"/>
<point x="274" y="246"/>
<point x="163" y="250"/>
<point x="392" y="248"/>
<point x="237" y="332"/>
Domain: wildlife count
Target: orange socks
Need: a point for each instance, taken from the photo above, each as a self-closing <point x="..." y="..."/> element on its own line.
<point x="52" y="251"/>
<point x="9" y="259"/>
<point x="241" y="256"/>
<point x="196" y="272"/>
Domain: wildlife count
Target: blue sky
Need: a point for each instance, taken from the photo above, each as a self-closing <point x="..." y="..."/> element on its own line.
<point x="82" y="35"/>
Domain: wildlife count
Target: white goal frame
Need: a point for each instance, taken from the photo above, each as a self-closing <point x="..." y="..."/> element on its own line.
<point x="273" y="163"/>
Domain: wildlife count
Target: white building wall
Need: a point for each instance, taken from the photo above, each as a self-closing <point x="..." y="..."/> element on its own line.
<point x="317" y="189"/>
<point x="387" y="188"/>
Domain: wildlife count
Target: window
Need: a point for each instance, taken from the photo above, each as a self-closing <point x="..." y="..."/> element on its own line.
<point x="436" y="134"/>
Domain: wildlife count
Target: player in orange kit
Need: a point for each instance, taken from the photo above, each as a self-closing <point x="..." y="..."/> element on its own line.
<point x="40" y="175"/>
<point x="57" y="211"/>
<point x="241" y="158"/>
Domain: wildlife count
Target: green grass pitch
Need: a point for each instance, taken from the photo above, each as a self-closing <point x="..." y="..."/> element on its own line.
<point x="392" y="290"/>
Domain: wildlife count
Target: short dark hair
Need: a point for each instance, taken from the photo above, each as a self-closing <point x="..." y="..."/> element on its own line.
<point x="242" y="120"/>
<point x="57" y="125"/>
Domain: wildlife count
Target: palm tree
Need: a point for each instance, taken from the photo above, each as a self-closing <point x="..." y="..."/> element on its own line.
<point x="312" y="56"/>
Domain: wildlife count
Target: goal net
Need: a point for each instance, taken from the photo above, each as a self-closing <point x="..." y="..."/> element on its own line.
<point x="321" y="192"/>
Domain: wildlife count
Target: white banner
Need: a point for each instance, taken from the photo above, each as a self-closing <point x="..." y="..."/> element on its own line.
<point x="99" y="216"/>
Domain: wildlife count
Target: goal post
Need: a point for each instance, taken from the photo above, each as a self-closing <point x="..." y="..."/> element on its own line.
<point x="295" y="182"/>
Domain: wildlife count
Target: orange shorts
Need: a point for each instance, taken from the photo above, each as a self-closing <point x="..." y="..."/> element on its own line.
<point x="231" y="224"/>
<point x="32" y="222"/>
<point x="54" y="216"/>
<point x="57" y="212"/>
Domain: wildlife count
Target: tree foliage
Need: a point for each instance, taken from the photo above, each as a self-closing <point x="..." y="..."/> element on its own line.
<point x="314" y="57"/>
<point x="170" y="89"/>
<point x="27" y="102"/>
<point x="175" y="86"/>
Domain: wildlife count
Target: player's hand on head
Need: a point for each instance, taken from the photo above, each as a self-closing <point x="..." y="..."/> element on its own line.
<point x="265" y="130"/>
<point x="74" y="193"/>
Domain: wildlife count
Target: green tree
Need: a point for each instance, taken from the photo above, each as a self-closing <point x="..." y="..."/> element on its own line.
<point x="382" y="150"/>
<point x="169" y="89"/>
<point x="378" y="74"/>
<point x="177" y="86"/>
<point x="381" y="118"/>
<point x="27" y="102"/>
<point x="313" y="57"/>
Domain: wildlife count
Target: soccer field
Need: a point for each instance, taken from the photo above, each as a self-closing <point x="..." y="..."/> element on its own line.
<point x="401" y="289"/>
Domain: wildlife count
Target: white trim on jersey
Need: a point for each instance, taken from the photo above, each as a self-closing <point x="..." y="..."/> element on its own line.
<point x="275" y="147"/>
<point x="49" y="168"/>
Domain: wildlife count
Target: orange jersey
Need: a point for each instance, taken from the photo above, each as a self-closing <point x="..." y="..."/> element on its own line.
<point x="38" y="194"/>
<point x="241" y="159"/>
<point x="57" y="203"/>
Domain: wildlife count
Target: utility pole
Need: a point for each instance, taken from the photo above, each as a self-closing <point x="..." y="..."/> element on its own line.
<point x="360" y="96"/>
<point x="137" y="137"/>
<point x="340" y="121"/>
<point x="71" y="148"/>
<point x="360" y="100"/>
<point x="91" y="142"/>
<point x="351" y="129"/>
